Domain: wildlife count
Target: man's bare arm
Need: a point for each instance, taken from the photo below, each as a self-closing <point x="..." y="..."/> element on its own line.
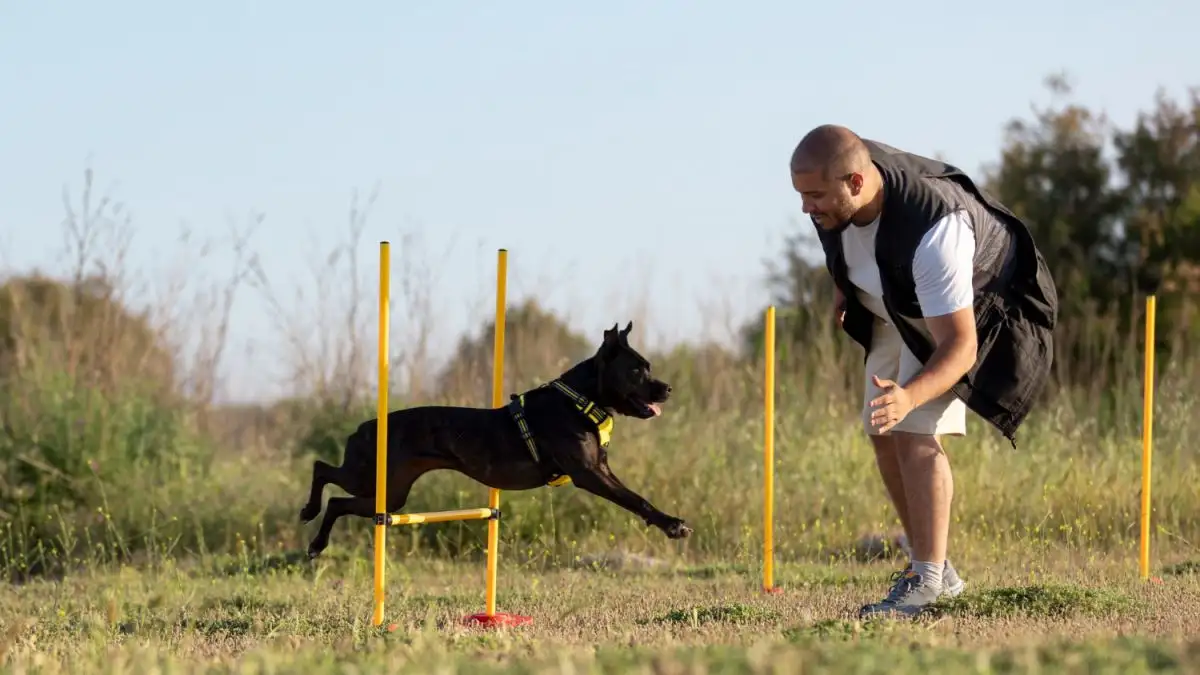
<point x="954" y="335"/>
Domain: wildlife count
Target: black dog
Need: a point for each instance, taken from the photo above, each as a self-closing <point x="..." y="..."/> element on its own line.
<point x="554" y="431"/>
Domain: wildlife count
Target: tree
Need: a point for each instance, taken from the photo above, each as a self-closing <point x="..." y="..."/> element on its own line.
<point x="1112" y="230"/>
<point x="1053" y="174"/>
<point x="79" y="329"/>
<point x="537" y="347"/>
<point x="1160" y="161"/>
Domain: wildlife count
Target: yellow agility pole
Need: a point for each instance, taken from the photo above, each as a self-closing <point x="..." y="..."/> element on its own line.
<point x="1147" y="436"/>
<point x="493" y="533"/>
<point x="382" y="518"/>
<point x="382" y="428"/>
<point x="489" y="616"/>
<point x="769" y="454"/>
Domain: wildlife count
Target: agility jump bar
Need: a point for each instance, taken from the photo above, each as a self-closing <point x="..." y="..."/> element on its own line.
<point x="437" y="516"/>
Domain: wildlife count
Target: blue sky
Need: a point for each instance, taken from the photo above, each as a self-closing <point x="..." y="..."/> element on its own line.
<point x="659" y="130"/>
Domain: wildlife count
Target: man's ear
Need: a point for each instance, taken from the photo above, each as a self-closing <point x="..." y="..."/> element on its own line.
<point x="856" y="182"/>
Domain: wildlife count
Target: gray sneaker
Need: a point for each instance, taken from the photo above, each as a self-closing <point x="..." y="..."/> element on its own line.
<point x="952" y="586"/>
<point x="908" y="597"/>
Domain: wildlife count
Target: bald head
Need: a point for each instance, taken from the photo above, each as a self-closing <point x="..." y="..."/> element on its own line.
<point x="833" y="172"/>
<point x="832" y="150"/>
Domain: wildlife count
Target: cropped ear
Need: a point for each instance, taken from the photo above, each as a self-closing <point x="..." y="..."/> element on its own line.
<point x="611" y="335"/>
<point x="628" y="327"/>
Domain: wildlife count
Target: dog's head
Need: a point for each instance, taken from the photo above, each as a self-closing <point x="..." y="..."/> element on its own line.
<point x="625" y="384"/>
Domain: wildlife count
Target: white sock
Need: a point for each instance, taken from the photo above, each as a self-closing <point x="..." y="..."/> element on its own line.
<point x="945" y="563"/>
<point x="931" y="573"/>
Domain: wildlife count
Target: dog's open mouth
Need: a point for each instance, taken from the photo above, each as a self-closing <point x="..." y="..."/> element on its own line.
<point x="650" y="409"/>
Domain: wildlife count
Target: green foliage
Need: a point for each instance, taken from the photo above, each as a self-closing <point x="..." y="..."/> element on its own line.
<point x="92" y="474"/>
<point x="321" y="425"/>
<point x="538" y="346"/>
<point x="1043" y="600"/>
<point x="61" y="438"/>
<point x="733" y="613"/>
<point x="842" y="630"/>
<point x="89" y="416"/>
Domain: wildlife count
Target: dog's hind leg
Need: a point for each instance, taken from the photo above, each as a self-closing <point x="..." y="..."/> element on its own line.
<point x="322" y="475"/>
<point x="399" y="485"/>
<point x="355" y="476"/>
<point x="339" y="506"/>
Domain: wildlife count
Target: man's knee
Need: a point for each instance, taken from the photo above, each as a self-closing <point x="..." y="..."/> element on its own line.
<point x="882" y="443"/>
<point x="913" y="446"/>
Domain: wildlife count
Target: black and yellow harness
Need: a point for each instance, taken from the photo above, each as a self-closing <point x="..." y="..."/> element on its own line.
<point x="602" y="420"/>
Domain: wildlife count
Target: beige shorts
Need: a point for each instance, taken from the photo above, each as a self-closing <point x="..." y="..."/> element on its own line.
<point x="890" y="359"/>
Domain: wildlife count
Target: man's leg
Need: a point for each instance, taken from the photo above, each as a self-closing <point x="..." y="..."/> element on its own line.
<point x="883" y="361"/>
<point x="888" y="462"/>
<point x="916" y="472"/>
<point x="929" y="490"/>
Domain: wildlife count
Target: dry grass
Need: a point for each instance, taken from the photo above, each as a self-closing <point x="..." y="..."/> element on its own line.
<point x="315" y="619"/>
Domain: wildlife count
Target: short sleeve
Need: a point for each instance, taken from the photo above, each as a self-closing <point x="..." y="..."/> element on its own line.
<point x="943" y="266"/>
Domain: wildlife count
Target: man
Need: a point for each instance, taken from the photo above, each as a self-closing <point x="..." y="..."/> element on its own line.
<point x="946" y="291"/>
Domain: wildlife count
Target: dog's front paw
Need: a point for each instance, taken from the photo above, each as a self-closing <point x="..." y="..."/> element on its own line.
<point x="677" y="529"/>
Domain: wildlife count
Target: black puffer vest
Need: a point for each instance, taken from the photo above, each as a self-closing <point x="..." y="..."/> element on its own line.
<point x="1016" y="303"/>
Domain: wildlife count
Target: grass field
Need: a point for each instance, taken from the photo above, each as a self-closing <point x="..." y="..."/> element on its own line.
<point x="190" y="562"/>
<point x="267" y="616"/>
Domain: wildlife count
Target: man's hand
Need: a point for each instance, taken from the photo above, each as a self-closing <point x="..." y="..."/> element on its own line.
<point x="954" y="356"/>
<point x="891" y="406"/>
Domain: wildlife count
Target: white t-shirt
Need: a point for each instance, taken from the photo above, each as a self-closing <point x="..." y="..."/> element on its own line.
<point x="943" y="266"/>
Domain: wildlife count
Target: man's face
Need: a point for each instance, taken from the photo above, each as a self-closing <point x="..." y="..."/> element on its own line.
<point x="829" y="202"/>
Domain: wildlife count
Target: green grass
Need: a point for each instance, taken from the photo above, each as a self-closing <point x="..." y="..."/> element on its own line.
<point x="193" y="562"/>
<point x="315" y="618"/>
<point x="1069" y="487"/>
<point x="1037" y="600"/>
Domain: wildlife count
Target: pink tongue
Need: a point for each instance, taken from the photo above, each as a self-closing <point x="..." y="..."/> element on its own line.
<point x="657" y="410"/>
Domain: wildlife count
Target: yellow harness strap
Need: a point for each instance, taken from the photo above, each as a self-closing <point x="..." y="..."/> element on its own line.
<point x="603" y="421"/>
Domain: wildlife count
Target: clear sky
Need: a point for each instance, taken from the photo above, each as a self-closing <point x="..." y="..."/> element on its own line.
<point x="630" y="155"/>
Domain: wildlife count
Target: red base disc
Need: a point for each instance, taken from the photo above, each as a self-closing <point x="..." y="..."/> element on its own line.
<point x="774" y="590"/>
<point x="498" y="619"/>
